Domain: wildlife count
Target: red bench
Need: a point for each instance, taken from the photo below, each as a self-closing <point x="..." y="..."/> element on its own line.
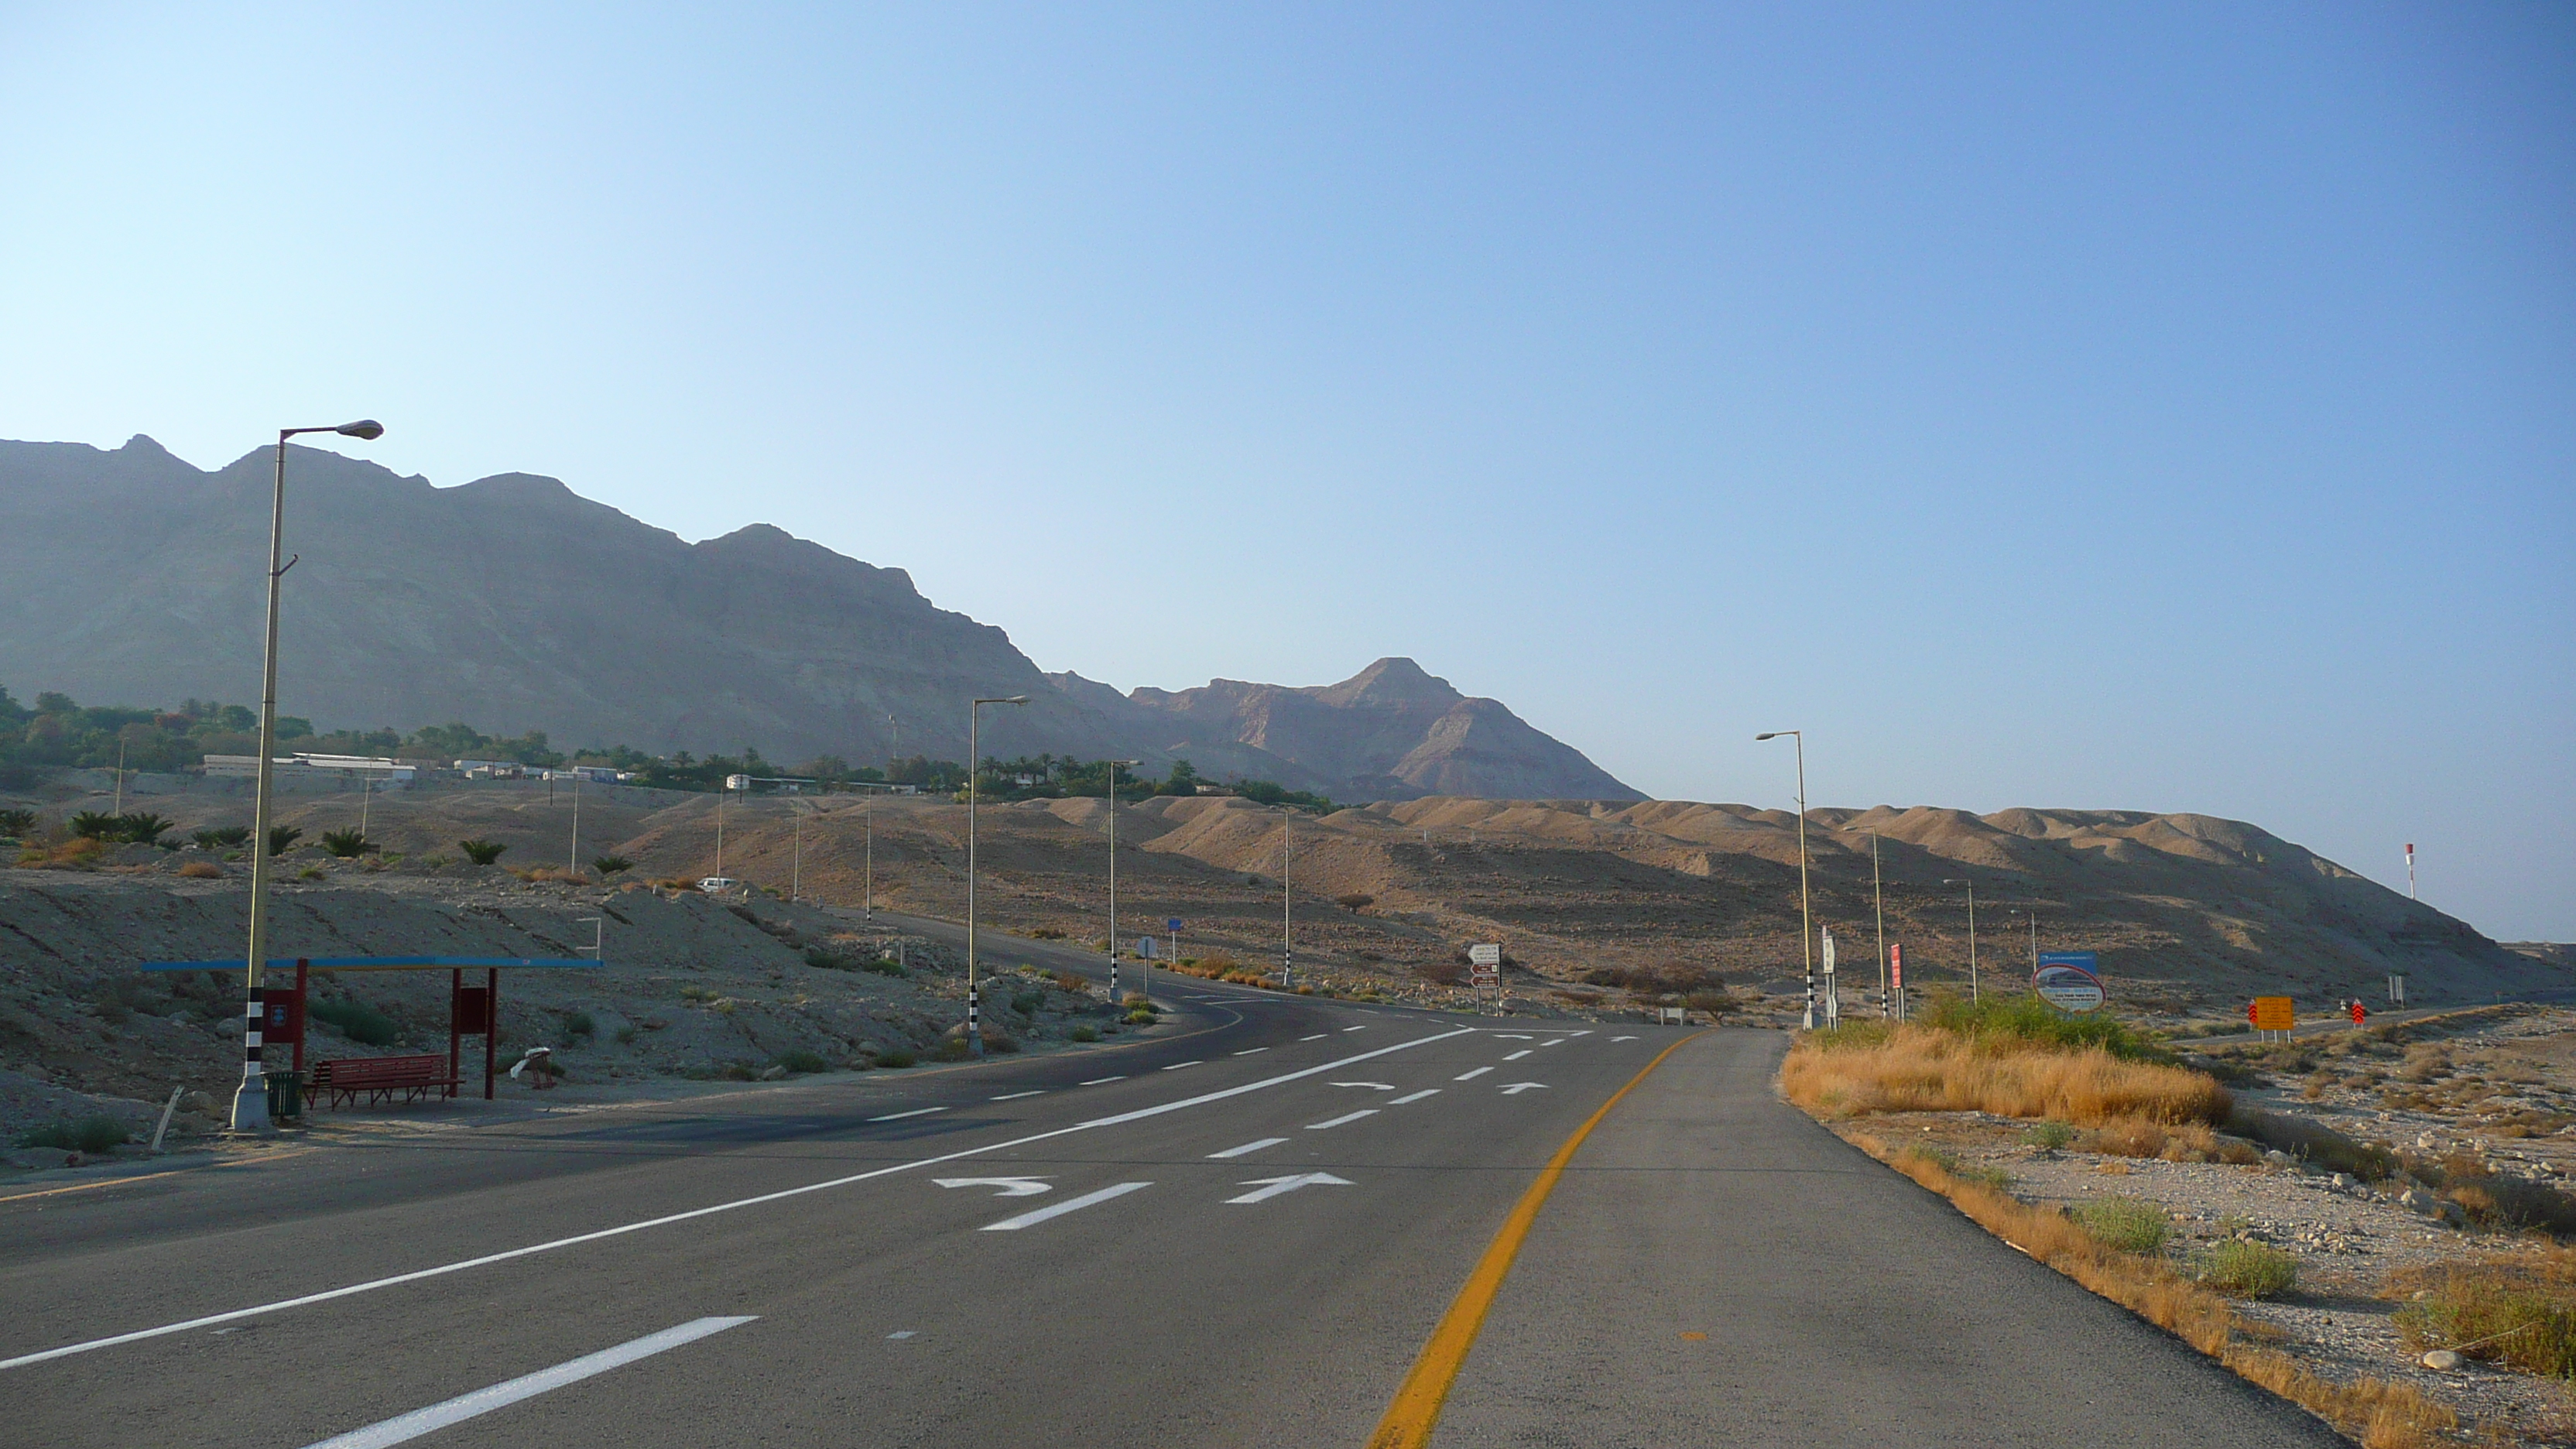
<point x="381" y="1078"/>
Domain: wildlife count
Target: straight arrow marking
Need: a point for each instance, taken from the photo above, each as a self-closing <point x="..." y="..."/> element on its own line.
<point x="1010" y="1186"/>
<point x="1273" y="1186"/>
<point x="1516" y="1088"/>
<point x="1069" y="1205"/>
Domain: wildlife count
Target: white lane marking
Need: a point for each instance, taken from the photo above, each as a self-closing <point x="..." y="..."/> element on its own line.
<point x="1513" y="1036"/>
<point x="1560" y="1041"/>
<point x="1096" y="1081"/>
<point x="509" y="1254"/>
<point x="1516" y="1088"/>
<point x="915" y="1112"/>
<point x="1345" y="1117"/>
<point x="1069" y="1205"/>
<point x="527" y="1386"/>
<point x="1362" y="1027"/>
<point x="1247" y="1051"/>
<point x="1516" y="1056"/>
<point x="903" y="1333"/>
<point x="1249" y="1147"/>
<point x="1415" y="1096"/>
<point x="1010" y="1186"/>
<point x="1319" y="1036"/>
<point x="1273" y="1186"/>
<point x="1471" y="1076"/>
<point x="1617" y="1039"/>
<point x="1176" y="1066"/>
<point x="1374" y="1086"/>
<point x="1015" y="1096"/>
<point x="1587" y="1031"/>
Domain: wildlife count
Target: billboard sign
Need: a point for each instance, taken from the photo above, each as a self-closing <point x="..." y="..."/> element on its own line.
<point x="2069" y="981"/>
<point x="2273" y="1013"/>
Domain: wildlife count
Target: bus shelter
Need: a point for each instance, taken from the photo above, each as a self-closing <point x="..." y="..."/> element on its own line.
<point x="473" y="1010"/>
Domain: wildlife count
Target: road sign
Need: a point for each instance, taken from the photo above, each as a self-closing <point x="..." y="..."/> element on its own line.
<point x="1896" y="967"/>
<point x="1829" y="951"/>
<point x="2273" y="1013"/>
<point x="2069" y="981"/>
<point x="1173" y="924"/>
<point x="1485" y="953"/>
<point x="1145" y="947"/>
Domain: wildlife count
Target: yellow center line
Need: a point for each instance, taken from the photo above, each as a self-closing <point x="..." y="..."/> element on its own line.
<point x="1416" y="1410"/>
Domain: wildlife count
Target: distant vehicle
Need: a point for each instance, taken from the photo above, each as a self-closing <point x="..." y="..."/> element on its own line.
<point x="716" y="885"/>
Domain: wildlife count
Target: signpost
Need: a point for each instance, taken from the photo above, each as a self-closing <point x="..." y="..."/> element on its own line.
<point x="2272" y="1013"/>
<point x="1145" y="948"/>
<point x="2397" y="988"/>
<point x="1896" y="976"/>
<point x="1833" y="992"/>
<point x="1485" y="969"/>
<point x="2069" y="981"/>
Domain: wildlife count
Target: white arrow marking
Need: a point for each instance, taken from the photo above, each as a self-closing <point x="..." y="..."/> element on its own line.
<point x="1069" y="1205"/>
<point x="1249" y="1147"/>
<point x="1617" y="1039"/>
<point x="1415" y="1096"/>
<point x="1516" y="1088"/>
<point x="1273" y="1186"/>
<point x="1471" y="1076"/>
<point x="915" y="1112"/>
<point x="1380" y="1086"/>
<point x="1010" y="1186"/>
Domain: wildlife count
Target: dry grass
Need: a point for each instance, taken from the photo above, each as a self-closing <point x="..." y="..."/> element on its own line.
<point x="2516" y="1309"/>
<point x="78" y="853"/>
<point x="202" y="870"/>
<point x="1926" y="1069"/>
<point x="2381" y="1415"/>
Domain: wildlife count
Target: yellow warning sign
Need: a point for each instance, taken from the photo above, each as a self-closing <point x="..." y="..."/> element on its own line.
<point x="2273" y="1013"/>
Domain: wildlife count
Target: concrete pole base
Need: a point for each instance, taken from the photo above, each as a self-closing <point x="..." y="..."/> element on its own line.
<point x="250" y="1106"/>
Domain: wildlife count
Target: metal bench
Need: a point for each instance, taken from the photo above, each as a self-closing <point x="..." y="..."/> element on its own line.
<point x="382" y="1079"/>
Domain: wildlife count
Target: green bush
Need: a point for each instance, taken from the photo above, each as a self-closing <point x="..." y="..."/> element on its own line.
<point x="2314" y="1143"/>
<point x="222" y="837"/>
<point x="2130" y="1224"/>
<point x="884" y="966"/>
<point x="626" y="1036"/>
<point x="2048" y="1136"/>
<point x="896" y="1058"/>
<point x="90" y="1134"/>
<point x="1026" y="1003"/>
<point x="2248" y="1269"/>
<point x="954" y="1049"/>
<point x="142" y="827"/>
<point x="1082" y="1033"/>
<point x="2025" y="1018"/>
<point x="579" y="1023"/>
<point x="94" y="825"/>
<point x="995" y="1041"/>
<point x="15" y="822"/>
<point x="801" y="1060"/>
<point x="347" y="844"/>
<point x="1141" y="1016"/>
<point x="481" y="852"/>
<point x="608" y="865"/>
<point x="358" y="1021"/>
<point x="280" y="837"/>
<point x="2505" y="1314"/>
<point x="824" y="958"/>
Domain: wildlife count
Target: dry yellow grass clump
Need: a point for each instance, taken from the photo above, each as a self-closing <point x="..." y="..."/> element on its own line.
<point x="1930" y="1069"/>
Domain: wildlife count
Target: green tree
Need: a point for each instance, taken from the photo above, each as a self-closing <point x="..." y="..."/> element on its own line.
<point x="481" y="852"/>
<point x="282" y="836"/>
<point x="347" y="844"/>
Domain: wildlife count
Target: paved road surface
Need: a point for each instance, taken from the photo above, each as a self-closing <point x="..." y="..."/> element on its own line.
<point x="1242" y="1231"/>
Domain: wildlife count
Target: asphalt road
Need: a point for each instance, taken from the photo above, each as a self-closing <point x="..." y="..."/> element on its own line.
<point x="1243" y="1230"/>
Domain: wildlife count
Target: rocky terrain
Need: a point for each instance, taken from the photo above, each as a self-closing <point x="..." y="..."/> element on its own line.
<point x="513" y="604"/>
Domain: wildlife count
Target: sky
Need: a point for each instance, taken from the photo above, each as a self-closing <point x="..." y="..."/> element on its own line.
<point x="2152" y="407"/>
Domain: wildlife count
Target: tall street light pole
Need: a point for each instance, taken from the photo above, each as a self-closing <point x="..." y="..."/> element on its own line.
<point x="1287" y="945"/>
<point x="868" y="870"/>
<point x="1972" y="932"/>
<point x="250" y="1102"/>
<point x="1806" y="916"/>
<point x="1878" y="895"/>
<point x="1113" y="873"/>
<point x="974" y="767"/>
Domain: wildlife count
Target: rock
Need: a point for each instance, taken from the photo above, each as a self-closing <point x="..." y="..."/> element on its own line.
<point x="774" y="1074"/>
<point x="199" y="1101"/>
<point x="2443" y="1360"/>
<point x="2417" y="1200"/>
<point x="2454" y="1214"/>
<point x="2277" y="1158"/>
<point x="2342" y="1182"/>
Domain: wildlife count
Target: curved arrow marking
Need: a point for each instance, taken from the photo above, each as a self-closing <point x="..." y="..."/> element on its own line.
<point x="1010" y="1186"/>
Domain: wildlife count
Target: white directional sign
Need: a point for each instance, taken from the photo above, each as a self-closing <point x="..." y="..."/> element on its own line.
<point x="1516" y="1088"/>
<point x="1010" y="1186"/>
<point x="1485" y="953"/>
<point x="1273" y="1186"/>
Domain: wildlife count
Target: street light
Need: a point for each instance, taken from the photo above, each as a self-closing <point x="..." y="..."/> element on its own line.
<point x="1972" y="932"/>
<point x="250" y="1102"/>
<point x="1806" y="918"/>
<point x="974" y="755"/>
<point x="1113" y="874"/>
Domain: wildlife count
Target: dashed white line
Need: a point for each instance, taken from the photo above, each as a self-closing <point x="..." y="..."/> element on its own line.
<point x="1415" y="1097"/>
<point x="1587" y="1031"/>
<point x="915" y="1112"/>
<point x="1247" y="1051"/>
<point x="1617" y="1039"/>
<point x="527" y="1386"/>
<point x="1345" y="1117"/>
<point x="1176" y="1066"/>
<point x="1560" y="1041"/>
<point x="1015" y="1096"/>
<point x="1249" y="1147"/>
<point x="1361" y="1027"/>
<point x="1516" y="1056"/>
<point x="1069" y="1205"/>
<point x="1319" y="1036"/>
<point x="1096" y="1081"/>
<point x="1471" y="1076"/>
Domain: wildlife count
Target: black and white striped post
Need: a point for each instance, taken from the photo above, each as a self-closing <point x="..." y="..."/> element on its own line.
<point x="250" y="1101"/>
<point x="974" y="767"/>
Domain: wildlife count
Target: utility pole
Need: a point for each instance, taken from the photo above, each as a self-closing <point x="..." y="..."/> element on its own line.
<point x="1972" y="933"/>
<point x="575" y="863"/>
<point x="796" y="854"/>
<point x="868" y="870"/>
<point x="1878" y="893"/>
<point x="1287" y="947"/>
<point x="1113" y="875"/>
<point x="1806" y="916"/>
<point x="974" y="758"/>
<point x="119" y="806"/>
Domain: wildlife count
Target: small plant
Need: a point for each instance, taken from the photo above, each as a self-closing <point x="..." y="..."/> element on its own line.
<point x="1141" y="1016"/>
<point x="2248" y="1269"/>
<point x="2130" y="1224"/>
<point x="312" y="872"/>
<point x="1045" y="933"/>
<point x="347" y="844"/>
<point x="223" y="837"/>
<point x="142" y="827"/>
<point x="884" y="966"/>
<point x="1026" y="1003"/>
<point x="1082" y="1033"/>
<point x="16" y="822"/>
<point x="626" y="1036"/>
<point x="608" y="865"/>
<point x="995" y="1041"/>
<point x="202" y="870"/>
<point x="579" y="1023"/>
<point x="1354" y="901"/>
<point x="1068" y="981"/>
<point x="90" y="1134"/>
<point x="801" y="1060"/>
<point x="280" y="837"/>
<point x="94" y="825"/>
<point x="955" y="1050"/>
<point x="2048" y="1136"/>
<point x="358" y="1021"/>
<point x="896" y="1058"/>
<point x="481" y="852"/>
<point x="824" y="958"/>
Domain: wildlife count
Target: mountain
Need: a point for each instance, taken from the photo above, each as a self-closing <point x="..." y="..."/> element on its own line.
<point x="513" y="603"/>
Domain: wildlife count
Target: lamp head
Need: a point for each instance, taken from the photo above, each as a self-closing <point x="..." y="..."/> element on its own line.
<point x="367" y="428"/>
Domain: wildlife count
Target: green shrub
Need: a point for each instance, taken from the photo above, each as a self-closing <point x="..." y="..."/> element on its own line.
<point x="626" y="1036"/>
<point x="141" y="827"/>
<point x="896" y="1058"/>
<point x="94" y="825"/>
<point x="222" y="837"/>
<point x="739" y="1072"/>
<point x="347" y="844"/>
<point x="2025" y="1018"/>
<point x="2048" y="1136"/>
<point x="1082" y="1033"/>
<point x="90" y="1134"/>
<point x="954" y="1049"/>
<point x="995" y="1041"/>
<point x="2248" y="1269"/>
<point x="2130" y="1224"/>
<point x="1026" y="1003"/>
<point x="579" y="1023"/>
<point x="15" y="822"/>
<point x="2503" y="1312"/>
<point x="358" y="1021"/>
<point x="481" y="852"/>
<point x="608" y="865"/>
<point x="801" y="1060"/>
<point x="1141" y="1016"/>
<point x="283" y="837"/>
<point x="884" y="966"/>
<point x="824" y="958"/>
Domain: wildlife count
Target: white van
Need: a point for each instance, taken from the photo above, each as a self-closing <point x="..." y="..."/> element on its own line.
<point x="716" y="885"/>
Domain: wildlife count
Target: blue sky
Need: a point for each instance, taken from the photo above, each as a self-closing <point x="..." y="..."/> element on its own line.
<point x="2154" y="407"/>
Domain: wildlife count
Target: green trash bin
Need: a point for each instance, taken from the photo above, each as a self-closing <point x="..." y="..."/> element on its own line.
<point x="285" y="1095"/>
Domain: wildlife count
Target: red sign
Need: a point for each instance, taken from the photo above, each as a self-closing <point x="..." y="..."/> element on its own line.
<point x="1896" y="966"/>
<point x="285" y="1018"/>
<point x="474" y="1010"/>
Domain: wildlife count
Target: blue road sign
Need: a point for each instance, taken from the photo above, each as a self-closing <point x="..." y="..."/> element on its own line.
<point x="1173" y="924"/>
